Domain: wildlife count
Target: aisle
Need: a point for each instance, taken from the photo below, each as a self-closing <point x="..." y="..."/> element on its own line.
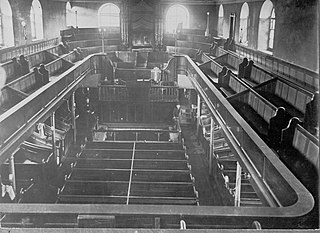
<point x="210" y="192"/>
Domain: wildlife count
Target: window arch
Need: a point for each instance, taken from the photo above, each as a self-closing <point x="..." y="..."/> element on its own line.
<point x="220" y="21"/>
<point x="70" y="15"/>
<point x="6" y="26"/>
<point x="243" y="29"/>
<point x="177" y="14"/>
<point x="266" y="26"/>
<point x="109" y="15"/>
<point x="36" y="20"/>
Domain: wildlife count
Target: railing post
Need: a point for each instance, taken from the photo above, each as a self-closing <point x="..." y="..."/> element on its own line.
<point x="53" y="128"/>
<point x="73" y="115"/>
<point x="12" y="174"/>
<point x="237" y="195"/>
<point x="198" y="112"/>
<point x="211" y="149"/>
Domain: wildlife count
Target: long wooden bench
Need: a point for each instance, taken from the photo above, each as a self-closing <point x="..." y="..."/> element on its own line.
<point x="231" y="61"/>
<point x="28" y="83"/>
<point x="138" y="164"/>
<point x="124" y="175"/>
<point x="120" y="188"/>
<point x="211" y="69"/>
<point x="9" y="98"/>
<point x="231" y="84"/>
<point x="265" y="118"/>
<point x="300" y="152"/>
<point x="257" y="76"/>
<point x="288" y="95"/>
<point x="286" y="70"/>
<point x="127" y="154"/>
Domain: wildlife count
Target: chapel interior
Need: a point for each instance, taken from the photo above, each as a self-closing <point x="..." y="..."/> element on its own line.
<point x="159" y="115"/>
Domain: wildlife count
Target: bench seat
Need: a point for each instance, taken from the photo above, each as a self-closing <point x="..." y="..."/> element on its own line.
<point x="251" y="116"/>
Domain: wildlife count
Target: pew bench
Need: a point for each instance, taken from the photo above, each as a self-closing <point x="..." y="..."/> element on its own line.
<point x="119" y="188"/>
<point x="9" y="98"/>
<point x="230" y="61"/>
<point x="288" y="95"/>
<point x="124" y="175"/>
<point x="127" y="154"/>
<point x="232" y="86"/>
<point x="257" y="76"/>
<point x="261" y="115"/>
<point x="300" y="153"/>
<point x="211" y="70"/>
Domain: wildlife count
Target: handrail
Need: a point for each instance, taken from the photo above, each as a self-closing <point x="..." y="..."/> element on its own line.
<point x="236" y="129"/>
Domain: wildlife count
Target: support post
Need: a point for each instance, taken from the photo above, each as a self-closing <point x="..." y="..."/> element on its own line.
<point x="73" y="115"/>
<point x="53" y="128"/>
<point x="206" y="33"/>
<point x="198" y="113"/>
<point x="238" y="186"/>
<point x="12" y="174"/>
<point x="211" y="149"/>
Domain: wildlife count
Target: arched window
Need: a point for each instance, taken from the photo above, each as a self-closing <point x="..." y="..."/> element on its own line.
<point x="271" y="30"/>
<point x="266" y="26"/>
<point x="177" y="14"/>
<point x="109" y="15"/>
<point x="36" y="20"/>
<point x="6" y="27"/>
<point x="220" y="21"/>
<point x="70" y="15"/>
<point x="244" y="18"/>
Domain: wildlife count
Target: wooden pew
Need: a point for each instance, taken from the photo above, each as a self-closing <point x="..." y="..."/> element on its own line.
<point x="85" y="174"/>
<point x="230" y="60"/>
<point x="211" y="69"/>
<point x="261" y="114"/>
<point x="257" y="76"/>
<point x="288" y="95"/>
<point x="300" y="152"/>
<point x="231" y="85"/>
<point x="103" y="163"/>
<point x="127" y="154"/>
<point x="9" y="98"/>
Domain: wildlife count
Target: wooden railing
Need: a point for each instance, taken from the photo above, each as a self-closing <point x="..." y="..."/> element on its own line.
<point x="9" y="53"/>
<point x="156" y="93"/>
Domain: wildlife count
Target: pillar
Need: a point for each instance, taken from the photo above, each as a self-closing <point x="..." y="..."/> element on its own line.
<point x="211" y="149"/>
<point x="238" y="186"/>
<point x="198" y="112"/>
<point x="12" y="174"/>
<point x="73" y="116"/>
<point x="53" y="128"/>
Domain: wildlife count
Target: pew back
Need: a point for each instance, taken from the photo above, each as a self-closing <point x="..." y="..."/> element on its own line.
<point x="306" y="144"/>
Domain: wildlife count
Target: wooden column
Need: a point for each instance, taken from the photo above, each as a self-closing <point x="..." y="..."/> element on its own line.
<point x="12" y="174"/>
<point x="238" y="186"/>
<point x="211" y="149"/>
<point x="53" y="128"/>
<point x="198" y="113"/>
<point x="73" y="115"/>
